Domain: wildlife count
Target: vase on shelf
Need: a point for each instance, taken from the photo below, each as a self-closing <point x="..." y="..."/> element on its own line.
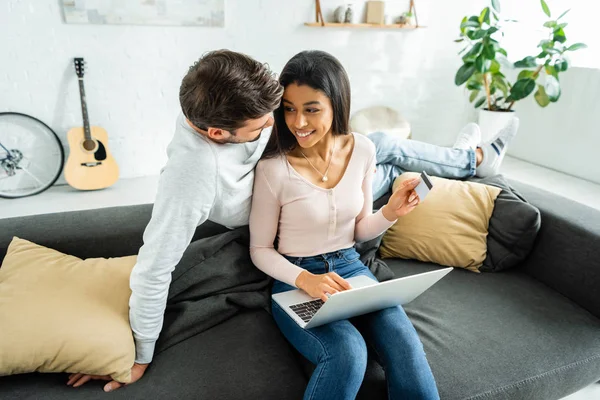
<point x="349" y="14"/>
<point x="339" y="15"/>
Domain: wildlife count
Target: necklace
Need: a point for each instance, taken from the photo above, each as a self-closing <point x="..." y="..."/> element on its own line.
<point x="324" y="176"/>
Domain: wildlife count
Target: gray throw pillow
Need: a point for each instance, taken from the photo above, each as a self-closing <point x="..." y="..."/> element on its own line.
<point x="513" y="227"/>
<point x="368" y="255"/>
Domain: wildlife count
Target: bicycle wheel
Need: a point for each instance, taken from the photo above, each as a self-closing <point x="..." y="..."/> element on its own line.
<point x="31" y="155"/>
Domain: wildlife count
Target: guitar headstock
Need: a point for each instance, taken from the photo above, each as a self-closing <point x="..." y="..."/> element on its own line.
<point x="79" y="66"/>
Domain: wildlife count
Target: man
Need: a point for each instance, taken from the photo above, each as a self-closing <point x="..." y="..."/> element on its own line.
<point x="227" y="99"/>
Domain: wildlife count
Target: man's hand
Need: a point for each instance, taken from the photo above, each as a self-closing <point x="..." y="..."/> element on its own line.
<point x="137" y="371"/>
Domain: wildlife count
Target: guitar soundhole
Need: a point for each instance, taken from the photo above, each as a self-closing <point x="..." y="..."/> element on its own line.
<point x="89" y="145"/>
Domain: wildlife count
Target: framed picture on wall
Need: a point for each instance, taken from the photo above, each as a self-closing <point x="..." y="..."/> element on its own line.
<point x="210" y="13"/>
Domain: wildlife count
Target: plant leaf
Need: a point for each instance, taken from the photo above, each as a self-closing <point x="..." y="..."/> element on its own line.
<point x="476" y="34"/>
<point x="459" y="40"/>
<point x="563" y="14"/>
<point x="493" y="29"/>
<point x="473" y="84"/>
<point x="545" y="8"/>
<point x="541" y="97"/>
<point x="552" y="50"/>
<point x="559" y="36"/>
<point x="576" y="46"/>
<point x="480" y="102"/>
<point x="473" y="95"/>
<point x="502" y="51"/>
<point x="552" y="70"/>
<point x="473" y="53"/>
<point x="482" y="65"/>
<point x="552" y="88"/>
<point x="500" y="84"/>
<point x="495" y="67"/>
<point x="496" y="5"/>
<point x="489" y="52"/>
<point x="464" y="73"/>
<point x="527" y="62"/>
<point x="564" y="65"/>
<point x="525" y="74"/>
<point x="469" y="24"/>
<point x="544" y="43"/>
<point x="550" y="24"/>
<point x="484" y="16"/>
<point x="522" y="88"/>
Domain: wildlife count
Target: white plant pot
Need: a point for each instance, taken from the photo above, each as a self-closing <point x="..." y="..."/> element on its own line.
<point x="490" y="123"/>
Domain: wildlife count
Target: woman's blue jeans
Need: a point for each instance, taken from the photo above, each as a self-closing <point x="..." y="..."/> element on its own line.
<point x="339" y="349"/>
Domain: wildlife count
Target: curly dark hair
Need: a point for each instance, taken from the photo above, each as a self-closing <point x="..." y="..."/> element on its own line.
<point x="224" y="89"/>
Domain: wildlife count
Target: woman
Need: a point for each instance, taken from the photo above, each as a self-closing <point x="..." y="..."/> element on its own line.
<point x="312" y="192"/>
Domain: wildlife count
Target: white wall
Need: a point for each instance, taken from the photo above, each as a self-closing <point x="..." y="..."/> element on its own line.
<point x="564" y="136"/>
<point x="134" y="72"/>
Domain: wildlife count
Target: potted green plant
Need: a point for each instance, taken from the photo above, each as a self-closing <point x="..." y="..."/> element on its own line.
<point x="484" y="60"/>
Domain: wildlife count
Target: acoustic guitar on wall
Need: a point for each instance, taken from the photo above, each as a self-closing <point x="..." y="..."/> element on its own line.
<point x="90" y="165"/>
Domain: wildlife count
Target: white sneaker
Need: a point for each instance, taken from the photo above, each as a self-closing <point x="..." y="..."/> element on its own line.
<point x="494" y="151"/>
<point x="468" y="137"/>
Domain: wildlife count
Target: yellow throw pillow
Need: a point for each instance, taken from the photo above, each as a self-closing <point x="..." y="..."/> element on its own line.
<point x="449" y="227"/>
<point x="59" y="313"/>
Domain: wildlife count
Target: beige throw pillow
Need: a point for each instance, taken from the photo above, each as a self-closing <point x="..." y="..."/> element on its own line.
<point x="449" y="227"/>
<point x="59" y="313"/>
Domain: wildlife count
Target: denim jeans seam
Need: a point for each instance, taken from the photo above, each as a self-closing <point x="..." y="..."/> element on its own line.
<point x="473" y="162"/>
<point x="387" y="380"/>
<point x="424" y="160"/>
<point x="323" y="347"/>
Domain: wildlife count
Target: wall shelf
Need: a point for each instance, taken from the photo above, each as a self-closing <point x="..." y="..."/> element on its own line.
<point x="372" y="26"/>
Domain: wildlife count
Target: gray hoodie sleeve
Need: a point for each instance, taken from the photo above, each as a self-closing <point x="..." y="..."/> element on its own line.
<point x="186" y="193"/>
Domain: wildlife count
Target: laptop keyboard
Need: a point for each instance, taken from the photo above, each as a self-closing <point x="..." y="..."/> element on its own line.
<point x="308" y="309"/>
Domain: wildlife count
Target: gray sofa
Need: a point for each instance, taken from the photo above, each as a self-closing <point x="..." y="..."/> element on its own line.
<point x="532" y="332"/>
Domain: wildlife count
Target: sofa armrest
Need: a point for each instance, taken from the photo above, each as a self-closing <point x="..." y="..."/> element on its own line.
<point x="566" y="254"/>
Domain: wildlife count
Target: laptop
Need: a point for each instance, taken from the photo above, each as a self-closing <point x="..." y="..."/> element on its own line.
<point x="366" y="295"/>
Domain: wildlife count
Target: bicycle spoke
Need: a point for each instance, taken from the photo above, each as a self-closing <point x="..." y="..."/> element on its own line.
<point x="31" y="175"/>
<point x="32" y="164"/>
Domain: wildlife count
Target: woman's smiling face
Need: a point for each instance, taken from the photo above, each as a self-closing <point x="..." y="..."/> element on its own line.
<point x="308" y="113"/>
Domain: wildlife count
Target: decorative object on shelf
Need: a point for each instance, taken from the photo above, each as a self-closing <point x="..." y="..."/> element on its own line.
<point x="375" y="12"/>
<point x="412" y="12"/>
<point x="345" y="13"/>
<point x="349" y="14"/>
<point x="319" y="12"/>
<point x="407" y="17"/>
<point x="481" y="69"/>
<point x="402" y="20"/>
<point x="339" y="15"/>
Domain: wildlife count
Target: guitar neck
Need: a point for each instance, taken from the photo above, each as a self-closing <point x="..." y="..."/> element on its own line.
<point x="84" y="112"/>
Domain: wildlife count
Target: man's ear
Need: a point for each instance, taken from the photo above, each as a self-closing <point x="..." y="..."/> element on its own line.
<point x="217" y="134"/>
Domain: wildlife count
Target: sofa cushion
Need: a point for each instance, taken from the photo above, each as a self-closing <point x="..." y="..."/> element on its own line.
<point x="245" y="357"/>
<point x="502" y="336"/>
<point x="449" y="227"/>
<point x="514" y="225"/>
<point x="105" y="232"/>
<point x="59" y="313"/>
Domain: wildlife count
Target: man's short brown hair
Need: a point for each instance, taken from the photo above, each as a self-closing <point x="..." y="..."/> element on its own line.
<point x="224" y="89"/>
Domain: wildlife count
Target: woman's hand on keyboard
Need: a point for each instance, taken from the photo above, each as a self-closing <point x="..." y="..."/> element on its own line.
<point x="319" y="286"/>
